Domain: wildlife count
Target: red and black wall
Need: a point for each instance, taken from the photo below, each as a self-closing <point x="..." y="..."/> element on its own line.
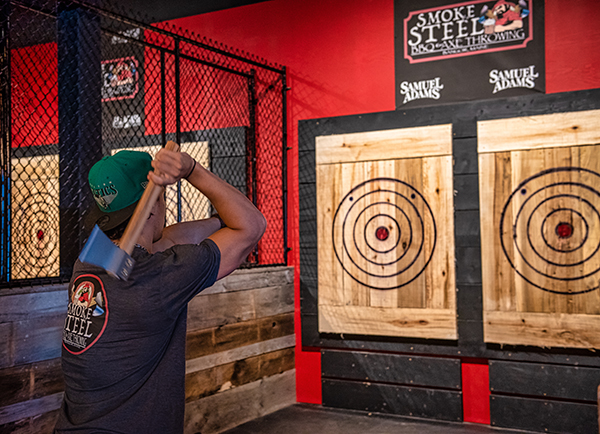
<point x="340" y="59"/>
<point x="340" y="56"/>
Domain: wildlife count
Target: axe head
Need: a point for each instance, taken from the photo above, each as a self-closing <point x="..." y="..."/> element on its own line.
<point x="99" y="250"/>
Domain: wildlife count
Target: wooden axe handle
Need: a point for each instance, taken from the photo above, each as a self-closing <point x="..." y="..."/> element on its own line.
<point x="142" y="210"/>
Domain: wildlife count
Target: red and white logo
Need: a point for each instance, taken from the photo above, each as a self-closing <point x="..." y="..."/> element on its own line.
<point x="465" y="29"/>
<point x="87" y="314"/>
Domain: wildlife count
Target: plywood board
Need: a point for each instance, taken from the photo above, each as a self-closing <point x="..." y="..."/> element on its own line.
<point x="34" y="232"/>
<point x="540" y="236"/>
<point x="414" y="142"/>
<point x="194" y="205"/>
<point x="538" y="132"/>
<point x="386" y="240"/>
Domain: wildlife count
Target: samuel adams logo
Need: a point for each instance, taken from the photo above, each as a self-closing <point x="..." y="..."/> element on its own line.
<point x="421" y="89"/>
<point x="86" y="315"/>
<point x="513" y="78"/>
<point x="464" y="29"/>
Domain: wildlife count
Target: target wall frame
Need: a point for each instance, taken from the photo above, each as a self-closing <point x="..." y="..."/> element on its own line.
<point x="529" y="384"/>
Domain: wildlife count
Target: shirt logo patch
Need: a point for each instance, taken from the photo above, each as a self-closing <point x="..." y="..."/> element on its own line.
<point x="87" y="314"/>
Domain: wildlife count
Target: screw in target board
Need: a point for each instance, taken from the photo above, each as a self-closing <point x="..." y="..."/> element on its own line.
<point x="384" y="233"/>
<point x="546" y="230"/>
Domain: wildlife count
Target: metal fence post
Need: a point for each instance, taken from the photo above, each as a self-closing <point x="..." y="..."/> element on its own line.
<point x="252" y="143"/>
<point x="79" y="123"/>
<point x="284" y="151"/>
<point x="5" y="142"/>
<point x="178" y="115"/>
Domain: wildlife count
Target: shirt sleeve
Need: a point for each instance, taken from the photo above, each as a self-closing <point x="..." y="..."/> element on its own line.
<point x="186" y="270"/>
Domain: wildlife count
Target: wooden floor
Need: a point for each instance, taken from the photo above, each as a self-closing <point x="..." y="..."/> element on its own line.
<point x="312" y="419"/>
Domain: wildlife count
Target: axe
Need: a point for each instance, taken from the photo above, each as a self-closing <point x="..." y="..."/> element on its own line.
<point x="99" y="250"/>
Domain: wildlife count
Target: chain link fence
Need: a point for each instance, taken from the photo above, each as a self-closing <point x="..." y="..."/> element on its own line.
<point x="79" y="82"/>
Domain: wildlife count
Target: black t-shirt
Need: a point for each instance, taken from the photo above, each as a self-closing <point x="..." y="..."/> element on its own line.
<point x="123" y="354"/>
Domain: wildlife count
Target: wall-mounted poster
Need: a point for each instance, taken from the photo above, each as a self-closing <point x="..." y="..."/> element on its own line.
<point x="122" y="85"/>
<point x="462" y="51"/>
<point x="120" y="78"/>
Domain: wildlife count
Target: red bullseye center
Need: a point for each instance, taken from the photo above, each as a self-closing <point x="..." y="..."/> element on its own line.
<point x="40" y="234"/>
<point x="564" y="230"/>
<point x="382" y="233"/>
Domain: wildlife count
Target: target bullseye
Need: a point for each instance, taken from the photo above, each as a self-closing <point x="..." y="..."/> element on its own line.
<point x="564" y="230"/>
<point x="545" y="230"/>
<point x="382" y="233"/>
<point x="379" y="233"/>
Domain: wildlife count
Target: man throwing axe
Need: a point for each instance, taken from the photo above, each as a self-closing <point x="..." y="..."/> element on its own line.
<point x="123" y="353"/>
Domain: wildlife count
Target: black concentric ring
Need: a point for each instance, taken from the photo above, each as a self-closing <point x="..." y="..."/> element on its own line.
<point x="397" y="229"/>
<point x="402" y="256"/>
<point x="562" y="265"/>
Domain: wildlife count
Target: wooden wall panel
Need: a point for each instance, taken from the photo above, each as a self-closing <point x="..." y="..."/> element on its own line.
<point x="386" y="234"/>
<point x="243" y="349"/>
<point x="540" y="214"/>
<point x="35" y="217"/>
<point x="470" y="346"/>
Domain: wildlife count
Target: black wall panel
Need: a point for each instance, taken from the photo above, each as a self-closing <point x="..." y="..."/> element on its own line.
<point x="392" y="368"/>
<point x="544" y="415"/>
<point x="552" y="381"/>
<point x="399" y="400"/>
<point x="463" y="118"/>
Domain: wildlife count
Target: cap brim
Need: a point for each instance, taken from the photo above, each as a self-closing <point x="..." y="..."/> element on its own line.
<point x="107" y="220"/>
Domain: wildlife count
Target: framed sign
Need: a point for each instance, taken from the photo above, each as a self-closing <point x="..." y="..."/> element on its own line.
<point x="461" y="51"/>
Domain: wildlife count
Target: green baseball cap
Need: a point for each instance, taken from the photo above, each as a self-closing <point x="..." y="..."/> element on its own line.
<point x="117" y="183"/>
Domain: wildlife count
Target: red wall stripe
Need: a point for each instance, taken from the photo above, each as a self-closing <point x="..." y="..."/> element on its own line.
<point x="476" y="391"/>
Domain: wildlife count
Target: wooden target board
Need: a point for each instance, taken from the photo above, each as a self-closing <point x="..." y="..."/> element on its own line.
<point x="540" y="229"/>
<point x="34" y="232"/>
<point x="194" y="205"/>
<point x="386" y="233"/>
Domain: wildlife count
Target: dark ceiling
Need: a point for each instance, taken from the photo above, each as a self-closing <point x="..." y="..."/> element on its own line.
<point x="161" y="10"/>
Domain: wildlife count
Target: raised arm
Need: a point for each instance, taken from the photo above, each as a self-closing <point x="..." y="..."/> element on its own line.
<point x="245" y="224"/>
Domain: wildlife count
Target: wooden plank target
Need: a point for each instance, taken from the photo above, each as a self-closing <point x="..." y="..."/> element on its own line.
<point x="194" y="205"/>
<point x="386" y="233"/>
<point x="34" y="232"/>
<point x="540" y="229"/>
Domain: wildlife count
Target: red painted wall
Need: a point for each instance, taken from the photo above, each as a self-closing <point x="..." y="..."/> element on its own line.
<point x="572" y="54"/>
<point x="340" y="55"/>
<point x="340" y="59"/>
<point x="34" y="95"/>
